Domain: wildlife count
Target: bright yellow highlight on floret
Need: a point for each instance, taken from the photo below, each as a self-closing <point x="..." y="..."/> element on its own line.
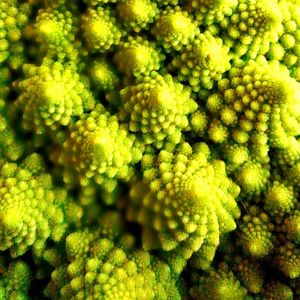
<point x="136" y="14"/>
<point x="174" y="28"/>
<point x="100" y="29"/>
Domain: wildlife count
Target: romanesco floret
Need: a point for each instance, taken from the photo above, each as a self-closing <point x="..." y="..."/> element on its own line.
<point x="138" y="56"/>
<point x="99" y="269"/>
<point x="252" y="178"/>
<point x="103" y="75"/>
<point x="203" y="61"/>
<point x="256" y="233"/>
<point x="251" y="27"/>
<point x="98" y="148"/>
<point x="51" y="95"/>
<point x="136" y="14"/>
<point x="218" y="284"/>
<point x="209" y="12"/>
<point x="279" y="199"/>
<point x="100" y="29"/>
<point x="55" y="30"/>
<point x="250" y="106"/>
<point x="248" y="119"/>
<point x="184" y="202"/>
<point x="157" y="108"/>
<point x="287" y="48"/>
<point x="31" y="208"/>
<point x="14" y="16"/>
<point x="174" y="28"/>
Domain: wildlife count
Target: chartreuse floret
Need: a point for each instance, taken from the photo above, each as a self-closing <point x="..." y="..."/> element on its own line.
<point x="100" y="150"/>
<point x="257" y="107"/>
<point x="56" y="31"/>
<point x="199" y="122"/>
<point x="15" y="280"/>
<point x="287" y="49"/>
<point x="256" y="233"/>
<point x="279" y="199"/>
<point x="100" y="29"/>
<point x="10" y="148"/>
<point x="209" y="12"/>
<point x="218" y="284"/>
<point x="51" y="95"/>
<point x="96" y="268"/>
<point x="174" y="28"/>
<point x="31" y="208"/>
<point x="138" y="56"/>
<point x="288" y="156"/>
<point x="157" y="108"/>
<point x="103" y="75"/>
<point x="136" y="14"/>
<point x="14" y="16"/>
<point x="184" y="203"/>
<point x="251" y="27"/>
<point x="203" y="61"/>
<point x="252" y="178"/>
<point x="234" y="153"/>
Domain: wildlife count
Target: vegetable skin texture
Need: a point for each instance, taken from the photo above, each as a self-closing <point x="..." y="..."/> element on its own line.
<point x="150" y="149"/>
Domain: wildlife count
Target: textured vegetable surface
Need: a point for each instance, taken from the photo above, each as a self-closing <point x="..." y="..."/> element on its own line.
<point x="150" y="149"/>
